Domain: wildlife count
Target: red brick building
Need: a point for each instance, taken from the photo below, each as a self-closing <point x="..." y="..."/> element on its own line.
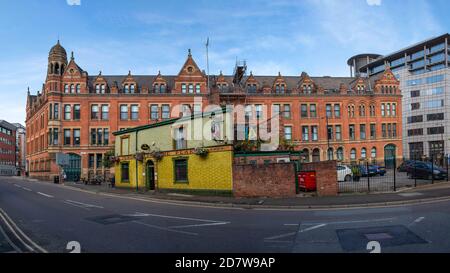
<point x="325" y="117"/>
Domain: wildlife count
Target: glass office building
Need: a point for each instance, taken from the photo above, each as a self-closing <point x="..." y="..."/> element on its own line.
<point x="424" y="75"/>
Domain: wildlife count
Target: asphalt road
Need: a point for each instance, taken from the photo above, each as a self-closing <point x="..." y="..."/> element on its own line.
<point x="51" y="216"/>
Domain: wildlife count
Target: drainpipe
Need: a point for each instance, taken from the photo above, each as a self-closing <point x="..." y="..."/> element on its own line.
<point x="137" y="162"/>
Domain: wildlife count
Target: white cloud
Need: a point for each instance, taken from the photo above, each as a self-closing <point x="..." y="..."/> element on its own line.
<point x="374" y="2"/>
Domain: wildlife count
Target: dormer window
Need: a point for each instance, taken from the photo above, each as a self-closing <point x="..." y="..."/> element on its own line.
<point x="251" y="88"/>
<point x="223" y="87"/>
<point x="279" y="88"/>
<point x="78" y="88"/>
<point x="126" y="89"/>
<point x="156" y="88"/>
<point x="97" y="88"/>
<point x="103" y="89"/>
<point x="307" y="89"/>
<point x="132" y="88"/>
<point x="163" y="88"/>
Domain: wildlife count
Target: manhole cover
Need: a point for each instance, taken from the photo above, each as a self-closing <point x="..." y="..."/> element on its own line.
<point x="112" y="219"/>
<point x="356" y="239"/>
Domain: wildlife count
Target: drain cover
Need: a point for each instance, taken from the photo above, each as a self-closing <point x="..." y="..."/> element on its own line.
<point x="112" y="219"/>
<point x="356" y="239"/>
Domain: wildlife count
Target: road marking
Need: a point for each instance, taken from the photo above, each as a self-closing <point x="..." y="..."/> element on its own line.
<point x="75" y="205"/>
<point x="18" y="186"/>
<point x="9" y="240"/>
<point x="4" y="215"/>
<point x="418" y="220"/>
<point x="172" y="217"/>
<point x="281" y="236"/>
<point x="27" y="189"/>
<point x="291" y="224"/>
<point x="44" y="194"/>
<point x="312" y="228"/>
<point x="201" y="225"/>
<point x="84" y="204"/>
<point x="166" y="229"/>
<point x="354" y="222"/>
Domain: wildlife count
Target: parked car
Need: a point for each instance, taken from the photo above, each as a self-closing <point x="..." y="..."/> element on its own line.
<point x="344" y="173"/>
<point x="425" y="170"/>
<point x="374" y="170"/>
<point x="381" y="171"/>
<point x="403" y="167"/>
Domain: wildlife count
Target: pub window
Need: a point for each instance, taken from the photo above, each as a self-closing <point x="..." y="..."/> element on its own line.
<point x="91" y="161"/>
<point x="99" y="161"/>
<point x="181" y="170"/>
<point x="125" y="172"/>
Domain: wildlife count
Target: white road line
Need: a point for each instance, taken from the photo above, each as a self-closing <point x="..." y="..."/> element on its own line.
<point x="46" y="195"/>
<point x="291" y="224"/>
<point x="418" y="220"/>
<point x="281" y="236"/>
<point x="18" y="186"/>
<point x="166" y="229"/>
<point x="201" y="225"/>
<point x="84" y="204"/>
<point x="9" y="240"/>
<point x="27" y="189"/>
<point x="312" y="228"/>
<point x="4" y="215"/>
<point x="354" y="222"/>
<point x="173" y="217"/>
<point x="75" y="205"/>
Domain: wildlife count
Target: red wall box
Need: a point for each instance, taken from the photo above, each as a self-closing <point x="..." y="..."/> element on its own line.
<point x="307" y="181"/>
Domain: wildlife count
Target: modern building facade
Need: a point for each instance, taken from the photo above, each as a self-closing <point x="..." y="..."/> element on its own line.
<point x="7" y="148"/>
<point x="21" y="163"/>
<point x="343" y="118"/>
<point x="424" y="75"/>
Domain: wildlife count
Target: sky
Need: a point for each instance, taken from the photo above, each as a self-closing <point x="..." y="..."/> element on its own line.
<point x="316" y="36"/>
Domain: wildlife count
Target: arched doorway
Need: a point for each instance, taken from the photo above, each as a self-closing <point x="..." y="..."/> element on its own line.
<point x="150" y="176"/>
<point x="389" y="156"/>
<point x="73" y="170"/>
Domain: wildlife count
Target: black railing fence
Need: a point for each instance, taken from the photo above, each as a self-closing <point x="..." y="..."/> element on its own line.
<point x="393" y="174"/>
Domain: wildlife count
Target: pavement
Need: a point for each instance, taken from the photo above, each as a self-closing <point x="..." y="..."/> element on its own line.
<point x="46" y="217"/>
<point x="420" y="194"/>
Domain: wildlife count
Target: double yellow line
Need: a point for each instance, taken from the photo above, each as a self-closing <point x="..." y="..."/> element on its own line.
<point x="26" y="244"/>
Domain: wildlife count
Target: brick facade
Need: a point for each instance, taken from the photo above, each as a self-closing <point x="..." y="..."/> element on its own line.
<point x="7" y="148"/>
<point x="68" y="87"/>
<point x="326" y="177"/>
<point x="269" y="180"/>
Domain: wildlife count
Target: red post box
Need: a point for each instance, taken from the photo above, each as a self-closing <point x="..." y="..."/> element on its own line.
<point x="307" y="181"/>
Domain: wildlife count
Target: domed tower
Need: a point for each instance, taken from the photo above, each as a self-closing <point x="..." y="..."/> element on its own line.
<point x="57" y="60"/>
<point x="57" y="64"/>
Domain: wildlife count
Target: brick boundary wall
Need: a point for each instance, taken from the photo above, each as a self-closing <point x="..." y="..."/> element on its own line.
<point x="267" y="180"/>
<point x="326" y="175"/>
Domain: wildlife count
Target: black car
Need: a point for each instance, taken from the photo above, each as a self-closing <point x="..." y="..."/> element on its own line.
<point x="426" y="170"/>
<point x="404" y="166"/>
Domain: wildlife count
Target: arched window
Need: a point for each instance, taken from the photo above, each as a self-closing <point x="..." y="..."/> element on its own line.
<point x="330" y="154"/>
<point x="305" y="155"/>
<point x="382" y="89"/>
<point x="362" y="110"/>
<point x="316" y="155"/>
<point x="197" y="88"/>
<point x="66" y="88"/>
<point x="340" y="154"/>
<point x="364" y="153"/>
<point x="372" y="110"/>
<point x="394" y="110"/>
<point x="390" y="89"/>
<point x="191" y="88"/>
<point x="78" y="88"/>
<point x="72" y="88"/>
<point x="373" y="153"/>
<point x="353" y="154"/>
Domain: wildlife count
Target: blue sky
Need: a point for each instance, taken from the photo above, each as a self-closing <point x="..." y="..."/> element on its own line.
<point x="316" y="36"/>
